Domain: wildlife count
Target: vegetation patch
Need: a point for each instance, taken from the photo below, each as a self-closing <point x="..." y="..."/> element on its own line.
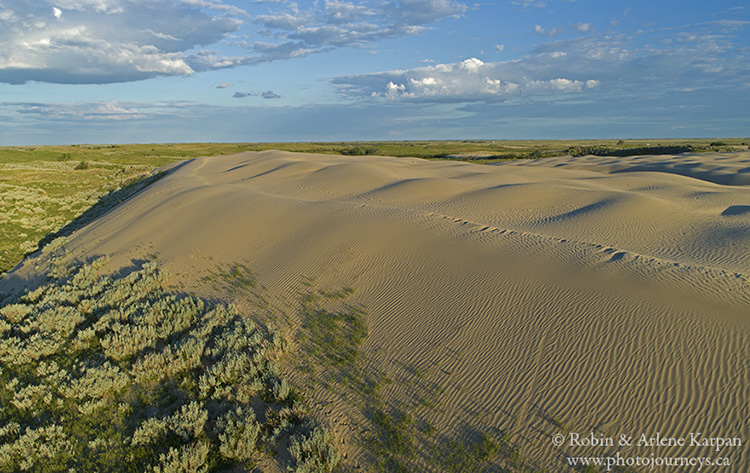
<point x="103" y="373"/>
<point x="600" y="150"/>
<point x="234" y="279"/>
<point x="334" y="336"/>
<point x="395" y="436"/>
<point x="459" y="457"/>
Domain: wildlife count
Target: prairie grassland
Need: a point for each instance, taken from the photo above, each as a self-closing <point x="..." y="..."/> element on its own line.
<point x="43" y="189"/>
<point x="484" y="151"/>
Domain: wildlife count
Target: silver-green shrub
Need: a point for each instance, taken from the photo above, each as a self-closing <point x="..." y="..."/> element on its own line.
<point x="186" y="459"/>
<point x="238" y="434"/>
<point x="312" y="449"/>
<point x="103" y="373"/>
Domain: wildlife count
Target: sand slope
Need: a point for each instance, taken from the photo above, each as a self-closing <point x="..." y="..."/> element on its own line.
<point x="536" y="297"/>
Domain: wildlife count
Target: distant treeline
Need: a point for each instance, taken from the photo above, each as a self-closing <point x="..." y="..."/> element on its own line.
<point x="598" y="150"/>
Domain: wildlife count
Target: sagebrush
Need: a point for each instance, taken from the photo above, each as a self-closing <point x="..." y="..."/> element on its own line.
<point x="104" y="373"/>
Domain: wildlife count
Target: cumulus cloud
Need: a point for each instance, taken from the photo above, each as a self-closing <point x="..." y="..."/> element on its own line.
<point x="469" y="80"/>
<point x="103" y="41"/>
<point x="699" y="58"/>
<point x="106" y="41"/>
<point x="345" y="12"/>
<point x="591" y="67"/>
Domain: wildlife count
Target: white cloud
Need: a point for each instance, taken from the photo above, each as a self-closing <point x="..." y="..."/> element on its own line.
<point x="88" y="111"/>
<point x="289" y="20"/>
<point x="345" y="12"/>
<point x="345" y="24"/>
<point x="695" y="58"/>
<point x="98" y="6"/>
<point x="499" y="47"/>
<point x="558" y="85"/>
<point x="469" y="80"/>
<point x="392" y="90"/>
<point x="583" y="27"/>
<point x="105" y="41"/>
<point x="539" y="30"/>
<point x="268" y="94"/>
<point x="529" y="3"/>
<point x="102" y="41"/>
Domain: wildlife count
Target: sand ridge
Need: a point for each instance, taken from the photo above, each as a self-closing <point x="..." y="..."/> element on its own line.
<point x="599" y="294"/>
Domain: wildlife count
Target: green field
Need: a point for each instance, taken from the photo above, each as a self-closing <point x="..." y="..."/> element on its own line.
<point x="44" y="188"/>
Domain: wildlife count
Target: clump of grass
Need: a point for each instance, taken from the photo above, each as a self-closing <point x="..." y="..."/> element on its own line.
<point x="393" y="433"/>
<point x="334" y="336"/>
<point x="111" y="373"/>
<point x="234" y="279"/>
<point x="457" y="457"/>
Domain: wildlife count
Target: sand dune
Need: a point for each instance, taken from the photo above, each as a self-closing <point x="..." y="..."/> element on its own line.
<point x="591" y="294"/>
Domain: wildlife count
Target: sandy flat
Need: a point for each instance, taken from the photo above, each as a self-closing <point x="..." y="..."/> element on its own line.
<point x="591" y="294"/>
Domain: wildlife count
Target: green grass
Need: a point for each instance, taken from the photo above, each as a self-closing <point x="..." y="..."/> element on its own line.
<point x="334" y="337"/>
<point x="459" y="457"/>
<point x="494" y="150"/>
<point x="44" y="189"/>
<point x="396" y="436"/>
<point x="234" y="279"/>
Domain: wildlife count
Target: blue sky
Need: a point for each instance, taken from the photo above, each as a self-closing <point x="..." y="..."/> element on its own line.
<point x="122" y="71"/>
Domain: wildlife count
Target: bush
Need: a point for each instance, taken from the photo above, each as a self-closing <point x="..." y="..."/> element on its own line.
<point x="358" y="151"/>
<point x="81" y="166"/>
<point x="239" y="433"/>
<point x="312" y="450"/>
<point x="160" y="382"/>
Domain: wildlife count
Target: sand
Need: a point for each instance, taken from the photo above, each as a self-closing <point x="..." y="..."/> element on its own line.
<point x="530" y="298"/>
